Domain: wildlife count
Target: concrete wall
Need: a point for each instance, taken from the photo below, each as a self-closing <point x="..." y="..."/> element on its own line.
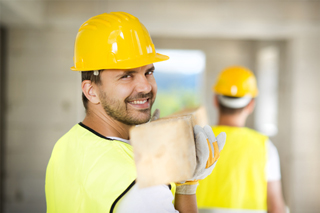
<point x="43" y="103"/>
<point x="305" y="127"/>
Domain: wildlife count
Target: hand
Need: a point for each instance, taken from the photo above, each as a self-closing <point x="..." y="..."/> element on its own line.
<point x="208" y="148"/>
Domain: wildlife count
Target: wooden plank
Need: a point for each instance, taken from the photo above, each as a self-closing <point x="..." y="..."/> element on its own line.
<point x="199" y="115"/>
<point x="164" y="150"/>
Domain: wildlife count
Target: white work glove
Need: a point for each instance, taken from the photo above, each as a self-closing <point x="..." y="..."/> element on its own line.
<point x="155" y="115"/>
<point x="208" y="148"/>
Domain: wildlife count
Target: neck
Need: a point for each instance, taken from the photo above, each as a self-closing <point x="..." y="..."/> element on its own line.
<point x="238" y="120"/>
<point x="102" y="123"/>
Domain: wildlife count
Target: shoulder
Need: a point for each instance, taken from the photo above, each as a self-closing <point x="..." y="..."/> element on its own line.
<point x="273" y="163"/>
<point x="254" y="132"/>
<point x="82" y="145"/>
<point x="272" y="149"/>
<point x="256" y="136"/>
<point x="238" y="130"/>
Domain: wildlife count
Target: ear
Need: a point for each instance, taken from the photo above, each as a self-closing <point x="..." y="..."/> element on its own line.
<point x="215" y="101"/>
<point x="250" y="106"/>
<point x="89" y="90"/>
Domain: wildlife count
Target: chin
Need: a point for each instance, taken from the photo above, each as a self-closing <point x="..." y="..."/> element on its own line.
<point x="141" y="119"/>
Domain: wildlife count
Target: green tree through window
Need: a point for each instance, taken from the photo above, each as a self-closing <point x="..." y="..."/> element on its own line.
<point x="179" y="80"/>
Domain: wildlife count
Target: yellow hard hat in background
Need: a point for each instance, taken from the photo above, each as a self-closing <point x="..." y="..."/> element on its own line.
<point x="113" y="41"/>
<point x="236" y="81"/>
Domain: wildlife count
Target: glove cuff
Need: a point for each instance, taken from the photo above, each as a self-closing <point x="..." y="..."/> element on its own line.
<point x="187" y="188"/>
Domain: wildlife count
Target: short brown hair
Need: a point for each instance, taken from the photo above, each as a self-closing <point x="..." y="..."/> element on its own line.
<point x="227" y="110"/>
<point x="88" y="75"/>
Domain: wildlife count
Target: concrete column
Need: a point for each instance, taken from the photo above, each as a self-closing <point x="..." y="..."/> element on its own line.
<point x="305" y="126"/>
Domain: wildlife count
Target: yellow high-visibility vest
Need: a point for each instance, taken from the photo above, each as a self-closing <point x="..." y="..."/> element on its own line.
<point x="239" y="179"/>
<point x="88" y="172"/>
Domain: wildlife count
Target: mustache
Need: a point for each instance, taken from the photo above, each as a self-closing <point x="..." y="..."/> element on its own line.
<point x="139" y="95"/>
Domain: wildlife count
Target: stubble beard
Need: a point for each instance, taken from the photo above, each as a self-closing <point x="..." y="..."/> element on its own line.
<point x="119" y="110"/>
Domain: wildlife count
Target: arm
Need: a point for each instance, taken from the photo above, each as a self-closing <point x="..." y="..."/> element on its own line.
<point x="275" y="200"/>
<point x="186" y="203"/>
<point x="207" y="152"/>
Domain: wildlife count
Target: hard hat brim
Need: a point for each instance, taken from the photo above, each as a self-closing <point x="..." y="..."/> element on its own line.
<point x="135" y="64"/>
<point x="235" y="103"/>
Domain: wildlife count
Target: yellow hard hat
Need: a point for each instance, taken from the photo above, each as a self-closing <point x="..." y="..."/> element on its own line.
<point x="236" y="81"/>
<point x="113" y="41"/>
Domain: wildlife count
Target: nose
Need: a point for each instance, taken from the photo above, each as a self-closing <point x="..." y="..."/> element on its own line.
<point x="143" y="85"/>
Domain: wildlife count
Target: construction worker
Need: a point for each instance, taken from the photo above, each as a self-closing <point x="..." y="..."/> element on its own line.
<point x="247" y="177"/>
<point x="91" y="168"/>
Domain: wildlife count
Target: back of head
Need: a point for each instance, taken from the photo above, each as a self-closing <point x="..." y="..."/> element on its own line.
<point x="235" y="87"/>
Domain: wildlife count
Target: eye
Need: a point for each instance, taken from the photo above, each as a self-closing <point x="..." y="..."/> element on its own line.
<point x="126" y="76"/>
<point x="149" y="72"/>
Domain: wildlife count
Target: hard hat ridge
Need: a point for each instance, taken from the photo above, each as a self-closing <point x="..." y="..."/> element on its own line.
<point x="108" y="18"/>
<point x="122" y="16"/>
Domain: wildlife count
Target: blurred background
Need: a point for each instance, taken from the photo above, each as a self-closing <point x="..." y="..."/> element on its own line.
<point x="41" y="97"/>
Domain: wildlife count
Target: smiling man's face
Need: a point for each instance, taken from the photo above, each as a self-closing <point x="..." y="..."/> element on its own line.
<point x="128" y="95"/>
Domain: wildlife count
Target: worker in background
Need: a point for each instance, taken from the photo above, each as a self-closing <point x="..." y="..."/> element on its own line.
<point x="247" y="177"/>
<point x="91" y="168"/>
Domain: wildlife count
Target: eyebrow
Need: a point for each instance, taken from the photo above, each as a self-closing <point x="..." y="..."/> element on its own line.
<point x="133" y="71"/>
<point x="151" y="69"/>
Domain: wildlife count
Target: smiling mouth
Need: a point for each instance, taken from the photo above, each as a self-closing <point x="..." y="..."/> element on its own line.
<point x="138" y="102"/>
<point x="141" y="103"/>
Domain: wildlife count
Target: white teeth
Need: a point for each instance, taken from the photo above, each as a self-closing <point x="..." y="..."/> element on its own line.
<point x="139" y="102"/>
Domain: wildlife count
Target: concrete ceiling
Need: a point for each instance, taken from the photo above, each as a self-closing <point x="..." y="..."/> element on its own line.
<point x="177" y="18"/>
<point x="22" y="13"/>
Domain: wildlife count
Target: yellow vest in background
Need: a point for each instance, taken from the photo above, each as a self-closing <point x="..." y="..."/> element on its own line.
<point x="239" y="179"/>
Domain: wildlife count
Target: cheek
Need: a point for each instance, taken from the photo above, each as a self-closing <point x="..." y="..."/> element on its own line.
<point x="122" y="92"/>
<point x="115" y="92"/>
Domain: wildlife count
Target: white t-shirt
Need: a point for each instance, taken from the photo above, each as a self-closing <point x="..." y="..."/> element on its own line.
<point x="158" y="199"/>
<point x="273" y="163"/>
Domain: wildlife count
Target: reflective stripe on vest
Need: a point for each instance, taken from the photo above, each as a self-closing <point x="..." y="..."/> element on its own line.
<point x="238" y="181"/>
<point x="173" y="187"/>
